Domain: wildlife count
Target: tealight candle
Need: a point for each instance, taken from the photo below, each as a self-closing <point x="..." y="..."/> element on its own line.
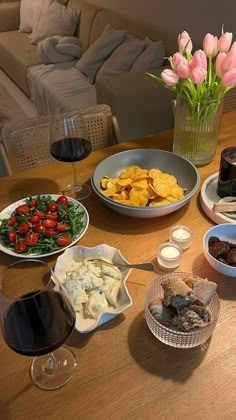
<point x="169" y="255"/>
<point x="181" y="235"/>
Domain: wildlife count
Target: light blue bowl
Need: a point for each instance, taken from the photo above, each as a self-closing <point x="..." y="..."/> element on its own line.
<point x="226" y="232"/>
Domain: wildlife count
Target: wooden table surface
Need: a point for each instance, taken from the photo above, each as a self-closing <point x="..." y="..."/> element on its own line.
<point x="124" y="372"/>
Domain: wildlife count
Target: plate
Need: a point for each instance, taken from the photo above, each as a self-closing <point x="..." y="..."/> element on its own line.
<point x="5" y="214"/>
<point x="209" y="196"/>
<point x="108" y="253"/>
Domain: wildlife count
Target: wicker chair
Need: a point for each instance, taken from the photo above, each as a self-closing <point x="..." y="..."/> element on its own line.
<point x="25" y="144"/>
<point x="230" y="101"/>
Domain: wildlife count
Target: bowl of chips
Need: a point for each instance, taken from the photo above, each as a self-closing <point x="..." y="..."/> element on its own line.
<point x="145" y="183"/>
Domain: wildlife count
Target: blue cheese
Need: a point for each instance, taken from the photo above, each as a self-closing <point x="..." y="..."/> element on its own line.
<point x="92" y="288"/>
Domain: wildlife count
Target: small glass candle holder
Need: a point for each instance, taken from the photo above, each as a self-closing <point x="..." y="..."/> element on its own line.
<point x="181" y="235"/>
<point x="169" y="255"/>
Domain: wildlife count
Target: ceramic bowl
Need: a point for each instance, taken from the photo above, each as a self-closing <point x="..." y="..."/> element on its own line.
<point x="80" y="253"/>
<point x="185" y="172"/>
<point x="171" y="336"/>
<point x="226" y="232"/>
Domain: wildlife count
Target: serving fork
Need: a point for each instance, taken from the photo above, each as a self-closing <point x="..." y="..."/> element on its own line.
<point x="145" y="266"/>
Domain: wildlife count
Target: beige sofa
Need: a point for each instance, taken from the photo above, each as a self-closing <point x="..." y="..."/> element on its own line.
<point x="141" y="105"/>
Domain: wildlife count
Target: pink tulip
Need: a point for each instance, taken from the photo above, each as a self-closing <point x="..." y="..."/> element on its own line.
<point x="229" y="78"/>
<point x="219" y="64"/>
<point x="183" y="40"/>
<point x="198" y="75"/>
<point x="210" y="45"/>
<point x="177" y="57"/>
<point x="233" y="46"/>
<point x="230" y="59"/>
<point x="181" y="65"/>
<point x="169" y="77"/>
<point x="199" y="60"/>
<point x="225" y="41"/>
<point x="183" y="69"/>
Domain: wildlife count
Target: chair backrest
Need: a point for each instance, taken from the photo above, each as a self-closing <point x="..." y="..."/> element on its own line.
<point x="26" y="144"/>
<point x="230" y="101"/>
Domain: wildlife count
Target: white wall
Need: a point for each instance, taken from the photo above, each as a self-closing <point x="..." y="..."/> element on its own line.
<point x="196" y="16"/>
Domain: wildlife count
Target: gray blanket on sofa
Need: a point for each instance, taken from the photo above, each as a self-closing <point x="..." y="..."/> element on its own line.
<point x="59" y="87"/>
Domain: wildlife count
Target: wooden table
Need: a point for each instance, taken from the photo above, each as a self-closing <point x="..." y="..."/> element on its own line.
<point x="124" y="372"/>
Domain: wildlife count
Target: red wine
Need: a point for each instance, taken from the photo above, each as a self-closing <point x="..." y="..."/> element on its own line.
<point x="71" y="149"/>
<point x="39" y="323"/>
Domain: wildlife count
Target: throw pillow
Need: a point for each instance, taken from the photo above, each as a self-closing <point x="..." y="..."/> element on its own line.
<point x="99" y="51"/>
<point x="124" y="56"/>
<point x="151" y="57"/>
<point x="26" y="15"/>
<point x="53" y="18"/>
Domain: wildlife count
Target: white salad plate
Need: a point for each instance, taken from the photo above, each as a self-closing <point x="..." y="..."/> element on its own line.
<point x="6" y="213"/>
<point x="110" y="254"/>
<point x="209" y="196"/>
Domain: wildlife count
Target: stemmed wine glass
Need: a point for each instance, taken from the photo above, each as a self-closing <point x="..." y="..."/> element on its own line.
<point x="69" y="142"/>
<point x="37" y="318"/>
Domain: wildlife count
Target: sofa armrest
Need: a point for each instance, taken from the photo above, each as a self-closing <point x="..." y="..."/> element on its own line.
<point x="141" y="105"/>
<point x="9" y="16"/>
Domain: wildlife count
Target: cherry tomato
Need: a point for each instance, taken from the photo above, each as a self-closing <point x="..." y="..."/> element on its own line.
<point x="11" y="236"/>
<point x="52" y="207"/>
<point x="20" y="246"/>
<point x="50" y="232"/>
<point x="23" y="228"/>
<point x="63" y="240"/>
<point x="49" y="224"/>
<point x="34" y="219"/>
<point x="11" y="221"/>
<point x="31" y="239"/>
<point x="23" y="209"/>
<point x="33" y="203"/>
<point x="40" y="214"/>
<point x="51" y="216"/>
<point x="39" y="228"/>
<point x="62" y="199"/>
<point x="61" y="227"/>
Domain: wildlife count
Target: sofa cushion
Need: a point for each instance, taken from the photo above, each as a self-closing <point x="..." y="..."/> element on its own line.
<point x="17" y="54"/>
<point x="151" y="57"/>
<point x="99" y="51"/>
<point x="30" y="12"/>
<point x="122" y="59"/>
<point x="26" y="15"/>
<point x="54" y="19"/>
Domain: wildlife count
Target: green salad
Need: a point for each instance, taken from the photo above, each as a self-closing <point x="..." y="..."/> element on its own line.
<point x="42" y="225"/>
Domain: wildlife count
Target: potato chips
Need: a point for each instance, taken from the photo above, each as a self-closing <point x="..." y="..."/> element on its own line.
<point x="136" y="186"/>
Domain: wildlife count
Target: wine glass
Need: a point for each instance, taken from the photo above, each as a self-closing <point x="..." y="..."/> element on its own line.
<point x="36" y="319"/>
<point x="69" y="142"/>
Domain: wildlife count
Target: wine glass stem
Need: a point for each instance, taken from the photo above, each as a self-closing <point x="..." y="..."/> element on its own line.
<point x="75" y="175"/>
<point x="52" y="364"/>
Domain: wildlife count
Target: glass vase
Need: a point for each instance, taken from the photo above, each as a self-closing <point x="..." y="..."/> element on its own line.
<point x="196" y="130"/>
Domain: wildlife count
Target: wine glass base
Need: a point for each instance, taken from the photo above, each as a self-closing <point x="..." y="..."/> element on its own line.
<point x="78" y="192"/>
<point x="52" y="371"/>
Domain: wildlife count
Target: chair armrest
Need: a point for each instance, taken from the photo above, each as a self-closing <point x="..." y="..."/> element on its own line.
<point x="4" y="159"/>
<point x="9" y="16"/>
<point x="141" y="105"/>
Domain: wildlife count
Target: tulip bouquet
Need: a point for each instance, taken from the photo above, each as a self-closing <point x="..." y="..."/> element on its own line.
<point x="201" y="79"/>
